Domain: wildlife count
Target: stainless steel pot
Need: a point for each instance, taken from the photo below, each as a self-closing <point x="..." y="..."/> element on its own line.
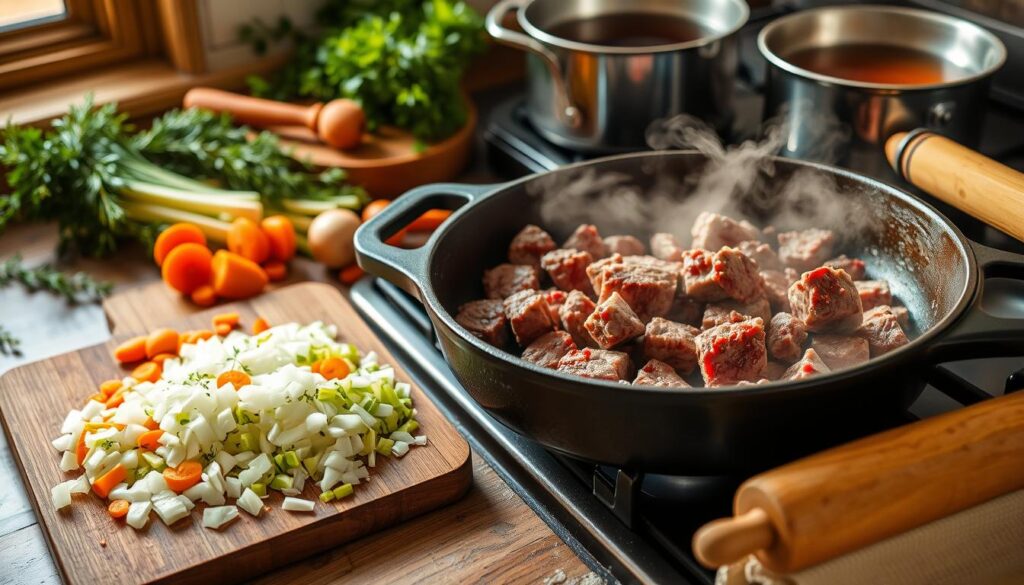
<point x="828" y="119"/>
<point x="599" y="98"/>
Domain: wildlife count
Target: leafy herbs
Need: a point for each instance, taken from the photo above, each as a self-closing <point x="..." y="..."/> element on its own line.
<point x="9" y="344"/>
<point x="77" y="287"/>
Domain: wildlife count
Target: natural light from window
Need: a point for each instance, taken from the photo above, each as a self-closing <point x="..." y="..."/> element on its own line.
<point x="20" y="13"/>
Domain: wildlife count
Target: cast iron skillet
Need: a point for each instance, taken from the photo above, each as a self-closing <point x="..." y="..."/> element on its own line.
<point x="931" y="267"/>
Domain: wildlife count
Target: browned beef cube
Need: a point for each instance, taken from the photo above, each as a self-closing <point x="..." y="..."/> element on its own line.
<point x="613" y="322"/>
<point x="809" y="365"/>
<point x="547" y="349"/>
<point x="671" y="342"/>
<point x="807" y="249"/>
<point x="902" y="315"/>
<point x="712" y="231"/>
<point x="715" y="276"/>
<point x="775" y="370"/>
<point x="853" y="266"/>
<point x="873" y="293"/>
<point x="666" y="247"/>
<point x="841" y="351"/>
<point x="882" y="330"/>
<point x="786" y="337"/>
<point x="761" y="253"/>
<point x="573" y="314"/>
<point x="686" y="310"/>
<point x="826" y="300"/>
<point x="776" y="287"/>
<point x="595" y="272"/>
<point x="529" y="245"/>
<point x="568" y="269"/>
<point x="586" y="239"/>
<point x="504" y="280"/>
<point x="529" y="316"/>
<point x="485" y="319"/>
<point x="625" y="245"/>
<point x="648" y="290"/>
<point x="733" y="311"/>
<point x="732" y="352"/>
<point x="595" y="363"/>
<point x="555" y="299"/>
<point x="655" y="373"/>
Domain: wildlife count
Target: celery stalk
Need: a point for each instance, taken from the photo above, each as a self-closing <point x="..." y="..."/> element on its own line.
<point x="204" y="203"/>
<point x="214" y="229"/>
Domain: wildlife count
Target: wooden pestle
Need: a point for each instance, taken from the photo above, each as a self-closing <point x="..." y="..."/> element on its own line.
<point x="854" y="495"/>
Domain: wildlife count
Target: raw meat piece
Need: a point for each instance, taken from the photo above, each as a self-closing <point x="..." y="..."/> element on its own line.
<point x="595" y="363"/>
<point x="485" y="319"/>
<point x="504" y="280"/>
<point x="586" y="239"/>
<point x="655" y="373"/>
<point x="666" y="247"/>
<point x="625" y="245"/>
<point x="672" y="343"/>
<point x="733" y="311"/>
<point x="761" y="253"/>
<point x="529" y="245"/>
<point x="841" y="351"/>
<point x="529" y="316"/>
<point x="776" y="287"/>
<point x="613" y="322"/>
<point x="555" y="299"/>
<point x="568" y="269"/>
<point x="715" y="276"/>
<point x="826" y="300"/>
<point x="873" y="293"/>
<point x="809" y="365"/>
<point x="573" y="314"/>
<point x="712" y="231"/>
<point x="786" y="337"/>
<point x="806" y="250"/>
<point x="549" y="348"/>
<point x="902" y="315"/>
<point x="882" y="330"/>
<point x="647" y="289"/>
<point x="596" y="270"/>
<point x="853" y="266"/>
<point x="732" y="352"/>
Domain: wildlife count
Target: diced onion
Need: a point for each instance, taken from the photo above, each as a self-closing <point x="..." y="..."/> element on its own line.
<point x="297" y="505"/>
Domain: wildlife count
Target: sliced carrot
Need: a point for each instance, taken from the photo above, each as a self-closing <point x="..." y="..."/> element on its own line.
<point x="161" y="341"/>
<point x="98" y="397"/>
<point x="203" y="334"/>
<point x="147" y="372"/>
<point x="188" y="267"/>
<point x="246" y="239"/>
<point x="80" y="449"/>
<point x="116" y="400"/>
<point x="276" y="271"/>
<point x="184" y="476"/>
<point x="333" y="367"/>
<point x="259" y="325"/>
<point x="281" y="235"/>
<point x="160" y="358"/>
<point x="429" y="221"/>
<point x="222" y="329"/>
<point x="204" y="296"/>
<point x="151" y="424"/>
<point x="106" y="482"/>
<point x="315" y="366"/>
<point x="374" y="207"/>
<point x="235" y="378"/>
<point x="231" y="318"/>
<point x="150" y="440"/>
<point x="350" y="274"/>
<point x="110" y="386"/>
<point x="118" y="508"/>
<point x="236" y="277"/>
<point x="132" y="350"/>
<point x="173" y="236"/>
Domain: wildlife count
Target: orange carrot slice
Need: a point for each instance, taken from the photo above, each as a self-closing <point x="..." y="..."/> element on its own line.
<point x="150" y="440"/>
<point x="187" y="267"/>
<point x="204" y="296"/>
<point x="132" y="350"/>
<point x="246" y="239"/>
<point x="106" y="482"/>
<point x="110" y="386"/>
<point x="174" y="236"/>
<point x="236" y="277"/>
<point x="259" y="325"/>
<point x="116" y="400"/>
<point x="118" y="508"/>
<point x="235" y="378"/>
<point x="276" y="271"/>
<point x="333" y="367"/>
<point x="350" y="274"/>
<point x="147" y="372"/>
<point x="281" y="235"/>
<point x="162" y="341"/>
<point x="231" y="318"/>
<point x="184" y="476"/>
<point x="151" y="424"/>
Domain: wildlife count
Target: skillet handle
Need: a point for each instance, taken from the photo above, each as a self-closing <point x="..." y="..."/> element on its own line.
<point x="407" y="268"/>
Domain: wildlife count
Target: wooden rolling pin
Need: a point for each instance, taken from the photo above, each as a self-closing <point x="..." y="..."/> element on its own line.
<point x="338" y="123"/>
<point x="963" y="178"/>
<point x="846" y="498"/>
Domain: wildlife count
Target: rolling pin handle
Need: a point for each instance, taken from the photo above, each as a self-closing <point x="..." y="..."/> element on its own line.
<point x="728" y="540"/>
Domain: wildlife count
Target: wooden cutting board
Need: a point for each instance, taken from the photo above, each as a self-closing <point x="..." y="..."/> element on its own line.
<point x="91" y="548"/>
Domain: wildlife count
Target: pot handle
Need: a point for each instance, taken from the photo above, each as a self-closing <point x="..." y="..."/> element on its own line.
<point x="407" y="268"/>
<point x="569" y="114"/>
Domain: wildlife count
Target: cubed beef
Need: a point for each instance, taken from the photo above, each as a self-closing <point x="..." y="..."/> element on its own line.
<point x="775" y="370"/>
<point x="573" y="314"/>
<point x="882" y="330"/>
<point x="761" y="253"/>
<point x="712" y="231"/>
<point x="655" y="373"/>
<point x="686" y="310"/>
<point x="504" y="280"/>
<point x="568" y="269"/>
<point x="647" y="289"/>
<point x="529" y="316"/>
<point x="613" y="322"/>
<point x="547" y="349"/>
<point x="776" y="287"/>
<point x="529" y="245"/>
<point x="586" y="239"/>
<point x="732" y="311"/>
<point x="873" y="293"/>
<point x="786" y="337"/>
<point x="716" y="276"/>
<point x="555" y="299"/>
<point x="625" y="245"/>
<point x="595" y="363"/>
<point x="841" y="351"/>
<point x="595" y="272"/>
<point x="666" y="247"/>
<point x="853" y="266"/>
<point x="732" y="352"/>
<point x="485" y="319"/>
<point x="671" y="342"/>
<point x="809" y="365"/>
<point x="902" y="315"/>
<point x="806" y="250"/>
<point x="826" y="300"/>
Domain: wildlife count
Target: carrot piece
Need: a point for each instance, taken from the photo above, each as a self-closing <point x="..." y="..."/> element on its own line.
<point x="374" y="207"/>
<point x="184" y="476"/>
<point x="116" y="400"/>
<point x="106" y="482"/>
<point x="235" y="378"/>
<point x="151" y="424"/>
<point x="173" y="236"/>
<point x="350" y="274"/>
<point x="132" y="350"/>
<point x="315" y="366"/>
<point x="246" y="239"/>
<point x="160" y="358"/>
<point x="333" y="367"/>
<point x="204" y="296"/>
<point x="110" y="386"/>
<point x="281" y="235"/>
<point x="150" y="440"/>
<point x="203" y="334"/>
<point x="429" y="221"/>
<point x="98" y="397"/>
<point x="161" y="341"/>
<point x="259" y="325"/>
<point x="80" y="449"/>
<point x="231" y="318"/>
<point x="223" y="329"/>
<point x="276" y="271"/>
<point x="188" y="267"/>
<point x="236" y="277"/>
<point x="118" y="508"/>
<point x="147" y="372"/>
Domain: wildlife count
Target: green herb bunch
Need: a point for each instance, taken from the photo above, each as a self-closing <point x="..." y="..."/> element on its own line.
<point x="75" y="288"/>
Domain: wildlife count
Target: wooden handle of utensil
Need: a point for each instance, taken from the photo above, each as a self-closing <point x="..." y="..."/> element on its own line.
<point x="963" y="178"/>
<point x="253" y="111"/>
<point x="849" y="497"/>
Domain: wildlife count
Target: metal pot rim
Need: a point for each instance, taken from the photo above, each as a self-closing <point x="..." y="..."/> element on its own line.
<point x="781" y="63"/>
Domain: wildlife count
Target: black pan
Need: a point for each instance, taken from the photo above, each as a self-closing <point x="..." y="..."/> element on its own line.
<point x="931" y="266"/>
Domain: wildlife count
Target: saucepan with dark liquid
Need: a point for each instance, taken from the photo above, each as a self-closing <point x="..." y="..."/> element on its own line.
<point x="846" y="78"/>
